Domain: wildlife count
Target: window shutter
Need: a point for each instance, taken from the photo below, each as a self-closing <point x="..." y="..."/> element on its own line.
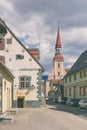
<point x="2" y="58"/>
<point x="2" y="44"/>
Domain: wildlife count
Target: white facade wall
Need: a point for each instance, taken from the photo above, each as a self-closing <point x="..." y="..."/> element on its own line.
<point x="6" y="95"/>
<point x="27" y="66"/>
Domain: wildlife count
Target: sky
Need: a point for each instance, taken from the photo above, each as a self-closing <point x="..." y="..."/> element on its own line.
<point x="35" y="23"/>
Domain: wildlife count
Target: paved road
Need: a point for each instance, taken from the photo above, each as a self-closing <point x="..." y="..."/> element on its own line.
<point x="74" y="110"/>
<point x="45" y="118"/>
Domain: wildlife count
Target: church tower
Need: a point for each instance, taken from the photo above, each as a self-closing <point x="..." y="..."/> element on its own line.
<point x="58" y="60"/>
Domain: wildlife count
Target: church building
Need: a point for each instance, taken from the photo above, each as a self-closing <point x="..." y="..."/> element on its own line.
<point x="55" y="77"/>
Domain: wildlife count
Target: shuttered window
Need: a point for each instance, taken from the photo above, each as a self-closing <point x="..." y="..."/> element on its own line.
<point x="2" y="58"/>
<point x="2" y="44"/>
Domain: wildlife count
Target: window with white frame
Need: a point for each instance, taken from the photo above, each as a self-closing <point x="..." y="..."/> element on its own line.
<point x="24" y="82"/>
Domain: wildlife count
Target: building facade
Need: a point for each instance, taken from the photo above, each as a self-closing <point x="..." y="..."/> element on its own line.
<point x="6" y="88"/>
<point x="75" y="81"/>
<point x="26" y="69"/>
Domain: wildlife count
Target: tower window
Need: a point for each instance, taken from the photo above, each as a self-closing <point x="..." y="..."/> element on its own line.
<point x="58" y="65"/>
<point x="58" y="73"/>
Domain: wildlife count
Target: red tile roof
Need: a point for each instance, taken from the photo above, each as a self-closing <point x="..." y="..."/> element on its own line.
<point x="58" y="57"/>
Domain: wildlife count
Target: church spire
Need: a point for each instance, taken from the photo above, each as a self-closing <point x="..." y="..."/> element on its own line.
<point x="58" y="41"/>
<point x="58" y="47"/>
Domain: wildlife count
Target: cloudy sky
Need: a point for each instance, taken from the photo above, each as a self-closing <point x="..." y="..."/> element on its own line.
<point x="35" y="23"/>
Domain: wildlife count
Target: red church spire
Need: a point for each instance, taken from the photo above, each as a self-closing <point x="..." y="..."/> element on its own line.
<point x="58" y="41"/>
<point x="58" y="47"/>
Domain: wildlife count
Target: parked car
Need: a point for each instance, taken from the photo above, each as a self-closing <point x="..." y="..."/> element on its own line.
<point x="72" y="102"/>
<point x="62" y="100"/>
<point x="83" y="103"/>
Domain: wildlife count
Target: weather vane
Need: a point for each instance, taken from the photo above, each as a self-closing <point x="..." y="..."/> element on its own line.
<point x="58" y="21"/>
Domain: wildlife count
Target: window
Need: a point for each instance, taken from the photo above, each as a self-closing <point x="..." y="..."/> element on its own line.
<point x="58" y="65"/>
<point x="81" y="74"/>
<point x="65" y="92"/>
<point x="9" y="41"/>
<point x="84" y="73"/>
<point x="66" y="80"/>
<point x="69" y="91"/>
<point x="58" y="73"/>
<point x="69" y="79"/>
<point x="19" y="56"/>
<point x="84" y="90"/>
<point x="80" y="91"/>
<point x="74" y="76"/>
<point x="2" y="44"/>
<point x="24" y="82"/>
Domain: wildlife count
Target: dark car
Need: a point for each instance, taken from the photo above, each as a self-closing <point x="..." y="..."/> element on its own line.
<point x="62" y="100"/>
<point x="72" y="102"/>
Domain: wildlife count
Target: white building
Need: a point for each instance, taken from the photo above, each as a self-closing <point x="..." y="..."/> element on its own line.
<point x="6" y="88"/>
<point x="26" y="69"/>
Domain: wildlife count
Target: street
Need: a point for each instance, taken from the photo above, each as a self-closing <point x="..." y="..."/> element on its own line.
<point x="50" y="117"/>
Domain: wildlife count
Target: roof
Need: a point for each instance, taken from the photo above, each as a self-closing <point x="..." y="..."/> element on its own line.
<point x="79" y="64"/>
<point x="67" y="69"/>
<point x="57" y="81"/>
<point x="3" y="23"/>
<point x="58" y="41"/>
<point x="6" y="70"/>
<point x="58" y="57"/>
<point x="34" y="52"/>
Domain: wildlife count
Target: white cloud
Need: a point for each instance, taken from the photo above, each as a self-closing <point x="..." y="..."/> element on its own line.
<point x="75" y="34"/>
<point x="34" y="24"/>
<point x="5" y="4"/>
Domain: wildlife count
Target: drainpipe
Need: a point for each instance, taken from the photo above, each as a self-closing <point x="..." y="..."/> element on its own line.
<point x="12" y="93"/>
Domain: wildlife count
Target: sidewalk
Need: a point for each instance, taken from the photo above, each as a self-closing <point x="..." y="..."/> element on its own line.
<point x="8" y="117"/>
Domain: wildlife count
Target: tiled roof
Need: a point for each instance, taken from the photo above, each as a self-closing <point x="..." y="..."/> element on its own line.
<point x="4" y="67"/>
<point x="34" y="51"/>
<point x="57" y="81"/>
<point x="58" y="57"/>
<point x="67" y="69"/>
<point x="79" y="64"/>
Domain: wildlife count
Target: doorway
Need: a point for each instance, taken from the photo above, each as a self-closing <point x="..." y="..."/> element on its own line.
<point x="20" y="102"/>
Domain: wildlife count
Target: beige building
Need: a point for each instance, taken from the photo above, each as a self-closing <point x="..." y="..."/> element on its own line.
<point x="6" y="88"/>
<point x="75" y="81"/>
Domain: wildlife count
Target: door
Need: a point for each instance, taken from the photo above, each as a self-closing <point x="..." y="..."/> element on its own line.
<point x="20" y="102"/>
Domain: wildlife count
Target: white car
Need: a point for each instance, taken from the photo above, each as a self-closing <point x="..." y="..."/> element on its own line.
<point x="83" y="103"/>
